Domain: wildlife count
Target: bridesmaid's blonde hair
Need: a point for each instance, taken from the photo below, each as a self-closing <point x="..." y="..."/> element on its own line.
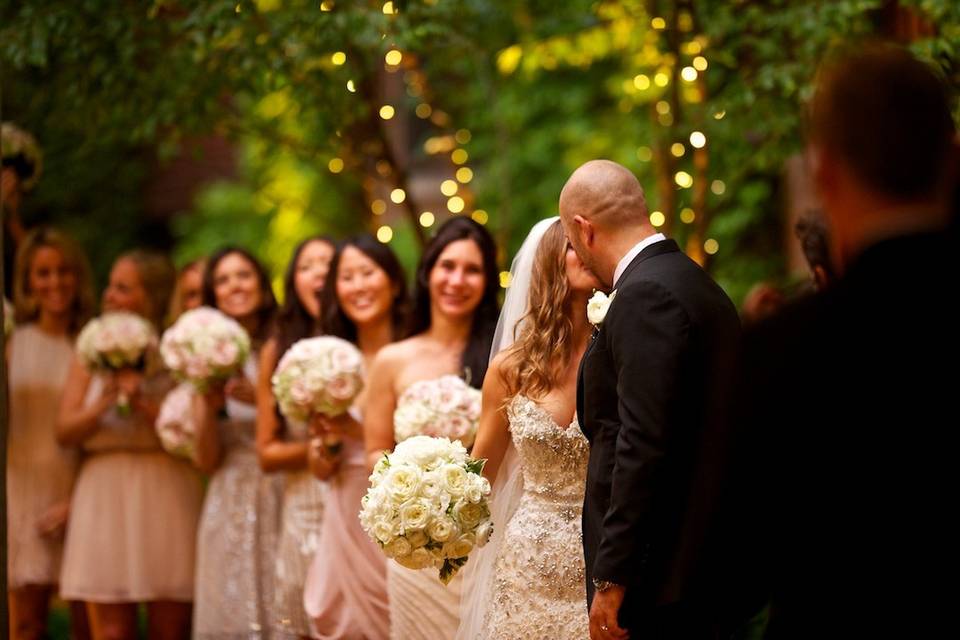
<point x="535" y="361"/>
<point x="157" y="276"/>
<point x="25" y="306"/>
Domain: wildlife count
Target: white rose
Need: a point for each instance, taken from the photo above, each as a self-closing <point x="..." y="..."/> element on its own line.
<point x="417" y="538"/>
<point x="418" y="559"/>
<point x="484" y="531"/>
<point x="461" y="547"/>
<point x="415" y="514"/>
<point x="597" y="307"/>
<point x="470" y="514"/>
<point x="443" y="529"/>
<point x="383" y="531"/>
<point x="454" y="479"/>
<point x="431" y="485"/>
<point x="401" y="483"/>
<point x="397" y="548"/>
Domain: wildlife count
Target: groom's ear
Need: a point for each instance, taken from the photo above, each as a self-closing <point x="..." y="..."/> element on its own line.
<point x="585" y="228"/>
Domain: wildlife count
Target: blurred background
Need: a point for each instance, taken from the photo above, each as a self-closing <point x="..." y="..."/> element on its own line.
<point x="183" y="125"/>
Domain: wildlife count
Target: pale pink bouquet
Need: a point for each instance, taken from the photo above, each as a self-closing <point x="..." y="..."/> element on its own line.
<point x="116" y="340"/>
<point x="175" y="424"/>
<point x="204" y="346"/>
<point x="318" y="376"/>
<point x="446" y="407"/>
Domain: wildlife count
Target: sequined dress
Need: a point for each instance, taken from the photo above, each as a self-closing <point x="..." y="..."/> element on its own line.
<point x="539" y="589"/>
<point x="238" y="535"/>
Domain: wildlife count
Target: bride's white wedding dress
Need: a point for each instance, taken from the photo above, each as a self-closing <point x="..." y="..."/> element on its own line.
<point x="538" y="588"/>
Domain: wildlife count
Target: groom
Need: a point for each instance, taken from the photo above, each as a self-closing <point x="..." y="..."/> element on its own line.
<point x="643" y="398"/>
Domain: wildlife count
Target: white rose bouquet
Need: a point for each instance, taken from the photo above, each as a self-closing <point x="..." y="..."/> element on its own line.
<point x="204" y="346"/>
<point x="427" y="505"/>
<point x="444" y="408"/>
<point x="116" y="340"/>
<point x="318" y="375"/>
<point x="175" y="424"/>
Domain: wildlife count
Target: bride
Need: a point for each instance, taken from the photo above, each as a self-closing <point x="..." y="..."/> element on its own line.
<point x="529" y="581"/>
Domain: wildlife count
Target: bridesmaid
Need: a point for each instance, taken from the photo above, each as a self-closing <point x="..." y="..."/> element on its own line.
<point x="134" y="510"/>
<point x="188" y="291"/>
<point x="53" y="299"/>
<point x="282" y="445"/>
<point x="364" y="301"/>
<point x="455" y="315"/>
<point x="237" y="540"/>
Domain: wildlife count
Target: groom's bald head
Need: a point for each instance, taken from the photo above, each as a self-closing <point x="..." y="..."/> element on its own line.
<point x="605" y="193"/>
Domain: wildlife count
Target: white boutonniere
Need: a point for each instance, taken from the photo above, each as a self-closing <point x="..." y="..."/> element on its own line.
<point x="597" y="307"/>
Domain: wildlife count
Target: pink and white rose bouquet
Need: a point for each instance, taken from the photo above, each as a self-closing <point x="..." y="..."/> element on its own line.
<point x="175" y="423"/>
<point x="116" y="340"/>
<point x="205" y="346"/>
<point x="442" y="408"/>
<point x="427" y="505"/>
<point x="318" y="375"/>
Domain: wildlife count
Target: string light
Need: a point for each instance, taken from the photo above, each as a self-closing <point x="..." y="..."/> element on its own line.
<point x="338" y="58"/>
<point x="423" y="111"/>
<point x="665" y="119"/>
<point x="464" y="174"/>
<point x="455" y="204"/>
<point x="389" y="9"/>
<point x="644" y="154"/>
<point x="693" y="48"/>
<point x="335" y="165"/>
<point x="657" y="218"/>
<point x="505" y="278"/>
<point x="711" y="246"/>
<point x="688" y="73"/>
<point x="386" y="112"/>
<point x="393" y="57"/>
<point x="683" y="179"/>
<point x="663" y="107"/>
<point x="350" y="86"/>
<point x="718" y="187"/>
<point x="700" y="63"/>
<point x="326" y="5"/>
<point x="641" y="82"/>
<point x="462" y="136"/>
<point x="448" y="188"/>
<point x="385" y="234"/>
<point x="698" y="140"/>
<point x="379" y="207"/>
<point x="661" y="79"/>
<point x="427" y="219"/>
<point x="677" y="149"/>
<point x="383" y="168"/>
<point x="459" y="156"/>
<point x="480" y="216"/>
<point x="658" y="23"/>
<point x="687" y="215"/>
<point x="719" y="115"/>
<point x="398" y="196"/>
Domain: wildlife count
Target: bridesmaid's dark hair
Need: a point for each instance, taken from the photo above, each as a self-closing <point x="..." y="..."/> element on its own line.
<point x="293" y="321"/>
<point x="476" y="355"/>
<point x="335" y="321"/>
<point x="268" y="303"/>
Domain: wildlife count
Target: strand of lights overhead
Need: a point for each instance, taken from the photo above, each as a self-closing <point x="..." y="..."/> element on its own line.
<point x="387" y="112"/>
<point x="455" y="204"/>
<point x="657" y="218"/>
<point x="427" y="219"/>
<point x="393" y="58"/>
<point x="480" y="216"/>
<point x="687" y="215"/>
<point x="711" y="246"/>
<point x="379" y="207"/>
<point x="398" y="195"/>
<point x="385" y="234"/>
<point x="698" y="140"/>
<point x="335" y="165"/>
<point x="448" y="188"/>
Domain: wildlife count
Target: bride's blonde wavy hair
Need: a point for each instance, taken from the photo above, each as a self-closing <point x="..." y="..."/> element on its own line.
<point x="543" y="344"/>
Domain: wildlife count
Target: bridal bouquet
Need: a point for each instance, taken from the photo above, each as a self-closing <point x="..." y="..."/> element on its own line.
<point x="443" y="408"/>
<point x="204" y="346"/>
<point x="318" y="375"/>
<point x="116" y="340"/>
<point x="175" y="424"/>
<point x="427" y="505"/>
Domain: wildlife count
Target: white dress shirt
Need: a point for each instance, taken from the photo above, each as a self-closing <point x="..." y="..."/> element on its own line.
<point x="637" y="248"/>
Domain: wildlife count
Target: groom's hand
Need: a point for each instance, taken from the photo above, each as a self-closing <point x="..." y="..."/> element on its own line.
<point x="603" y="615"/>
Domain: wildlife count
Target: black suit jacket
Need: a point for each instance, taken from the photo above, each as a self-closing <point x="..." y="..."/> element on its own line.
<point x="841" y="507"/>
<point x="644" y="396"/>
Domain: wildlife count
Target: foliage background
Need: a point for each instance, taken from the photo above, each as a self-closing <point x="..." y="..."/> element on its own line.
<point x="112" y="88"/>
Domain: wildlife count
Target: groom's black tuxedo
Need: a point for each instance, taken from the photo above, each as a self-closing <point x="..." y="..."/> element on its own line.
<point x="645" y="393"/>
